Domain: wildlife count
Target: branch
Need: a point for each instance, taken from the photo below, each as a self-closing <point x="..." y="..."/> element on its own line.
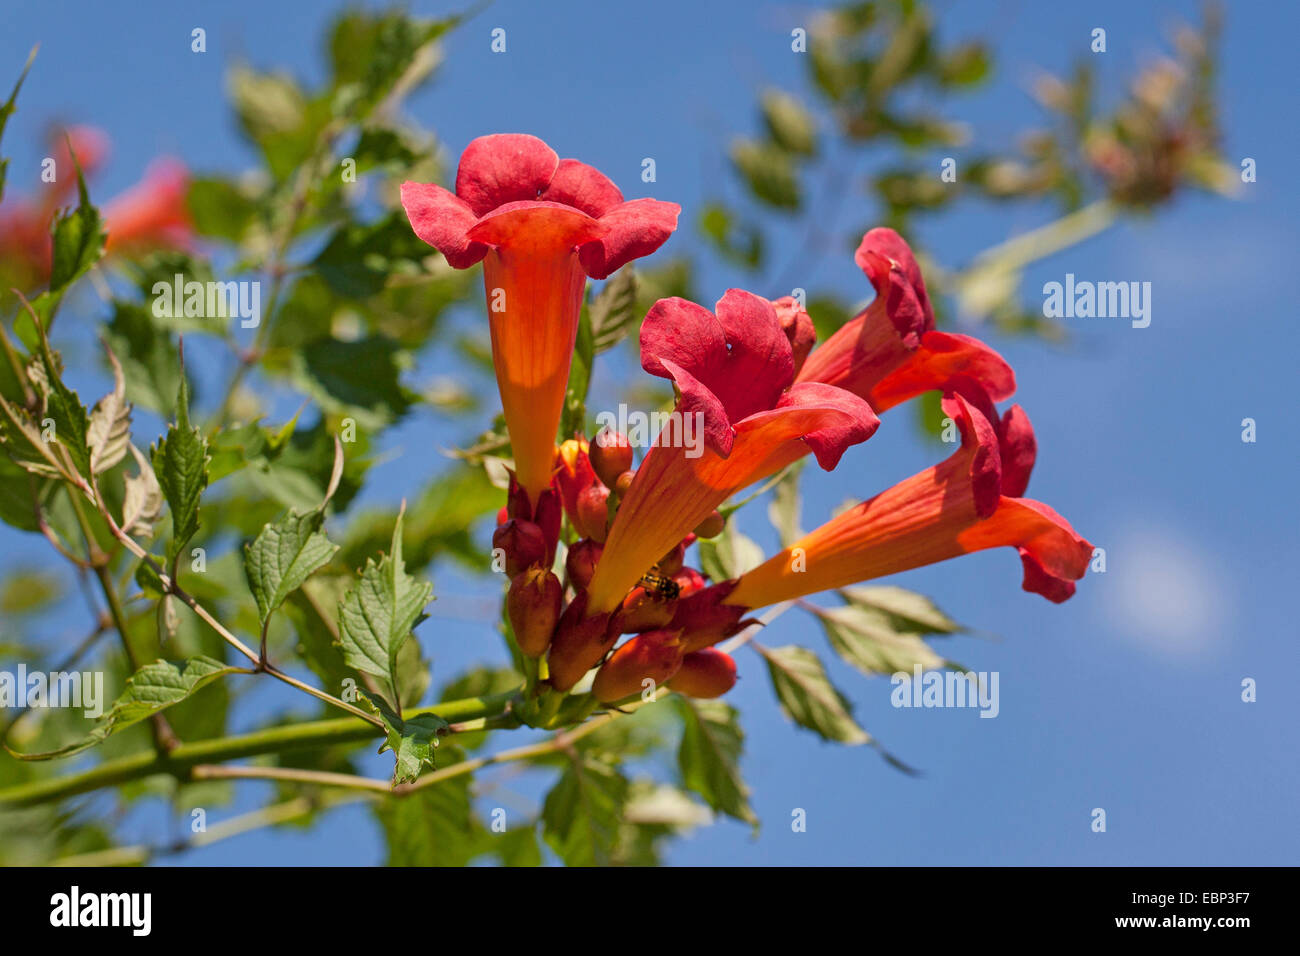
<point x="186" y="756"/>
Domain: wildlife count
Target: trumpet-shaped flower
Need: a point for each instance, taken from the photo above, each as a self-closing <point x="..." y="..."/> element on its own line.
<point x="891" y="351"/>
<point x="967" y="503"/>
<point x="734" y="372"/>
<point x="541" y="226"/>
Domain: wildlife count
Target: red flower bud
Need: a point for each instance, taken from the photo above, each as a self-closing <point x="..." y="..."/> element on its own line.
<point x="611" y="455"/>
<point x="573" y="473"/>
<point x="671" y="562"/>
<point x="592" y="519"/>
<point x="689" y="581"/>
<point x="548" y="515"/>
<point x="798" y="328"/>
<point x="579" y="645"/>
<point x="523" y="543"/>
<point x="581" y="562"/>
<point x="706" y="673"/>
<point x="503" y="516"/>
<point x="712" y="526"/>
<point x="533" y="604"/>
<point x="654" y="656"/>
<point x="642" y="611"/>
<point x="704" y="619"/>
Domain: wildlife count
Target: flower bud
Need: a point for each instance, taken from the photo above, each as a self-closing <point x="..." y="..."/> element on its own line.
<point x="688" y="582"/>
<point x="523" y="543"/>
<point x="533" y="605"/>
<point x="548" y="515"/>
<point x="671" y="562"/>
<point x="706" y="673"/>
<point x="654" y="656"/>
<point x="579" y="644"/>
<point x="712" y="526"/>
<point x="573" y="472"/>
<point x="592" y="519"/>
<point x="611" y="455"/>
<point x="581" y="562"/>
<point x="642" y="611"/>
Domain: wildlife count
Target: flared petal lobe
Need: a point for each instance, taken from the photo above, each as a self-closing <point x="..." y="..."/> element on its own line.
<point x="951" y="509"/>
<point x="891" y="352"/>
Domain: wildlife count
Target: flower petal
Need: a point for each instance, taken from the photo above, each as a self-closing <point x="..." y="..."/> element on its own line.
<point x="583" y="187"/>
<point x="534" y="227"/>
<point x="632" y="230"/>
<point x="442" y="220"/>
<point x="502" y="168"/>
<point x="835" y="432"/>
<point x="887" y="260"/>
<point x="940" y="359"/>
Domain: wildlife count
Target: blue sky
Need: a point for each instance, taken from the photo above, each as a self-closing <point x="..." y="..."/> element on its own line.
<point x="1128" y="696"/>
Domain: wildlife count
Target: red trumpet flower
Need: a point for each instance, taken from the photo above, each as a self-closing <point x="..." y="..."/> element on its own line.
<point x="734" y="372"/>
<point x="891" y="352"/>
<point x="967" y="503"/>
<point x="541" y="226"/>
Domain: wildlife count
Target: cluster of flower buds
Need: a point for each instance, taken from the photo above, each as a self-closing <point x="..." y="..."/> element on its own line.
<point x="589" y="482"/>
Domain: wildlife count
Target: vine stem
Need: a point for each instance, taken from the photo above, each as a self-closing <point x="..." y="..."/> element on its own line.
<point x="189" y="754"/>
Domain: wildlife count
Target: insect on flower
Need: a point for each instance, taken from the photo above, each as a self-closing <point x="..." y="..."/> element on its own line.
<point x="663" y="588"/>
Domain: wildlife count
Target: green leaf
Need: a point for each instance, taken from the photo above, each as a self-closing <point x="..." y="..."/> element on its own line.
<point x="871" y="641"/>
<point x="16" y="494"/>
<point x="783" y="512"/>
<point x="769" y="171"/>
<point x="220" y="209"/>
<point x="7" y="110"/>
<point x="360" y="257"/>
<point x="516" y="846"/>
<point x="788" y="123"/>
<point x="360" y="379"/>
<point x="149" y="690"/>
<point x="807" y="695"/>
<point x="78" y="244"/>
<point x="283" y="556"/>
<point x="371" y="53"/>
<point x="613" y="312"/>
<point x="709" y="757"/>
<point x="413" y="741"/>
<point x="149" y="357"/>
<point x="109" y="432"/>
<point x="180" y="460"/>
<point x="729" y="555"/>
<point x="583" y="812"/>
<point x="376" y="616"/>
<point x="433" y="826"/>
<point x="906" y="609"/>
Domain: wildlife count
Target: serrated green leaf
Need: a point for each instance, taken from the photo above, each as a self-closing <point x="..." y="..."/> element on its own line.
<point x="413" y="741"/>
<point x="613" y="312"/>
<point x="433" y="826"/>
<point x="283" y="556"/>
<point x="709" y="757"/>
<point x="180" y="460"/>
<point x="583" y="811"/>
<point x="149" y="690"/>
<point x="807" y="695"/>
<point x="377" y="615"/>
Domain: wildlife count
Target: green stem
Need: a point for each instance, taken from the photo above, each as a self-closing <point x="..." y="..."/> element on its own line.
<point x="304" y="736"/>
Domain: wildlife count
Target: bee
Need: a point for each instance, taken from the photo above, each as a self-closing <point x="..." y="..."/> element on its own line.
<point x="662" y="587"/>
